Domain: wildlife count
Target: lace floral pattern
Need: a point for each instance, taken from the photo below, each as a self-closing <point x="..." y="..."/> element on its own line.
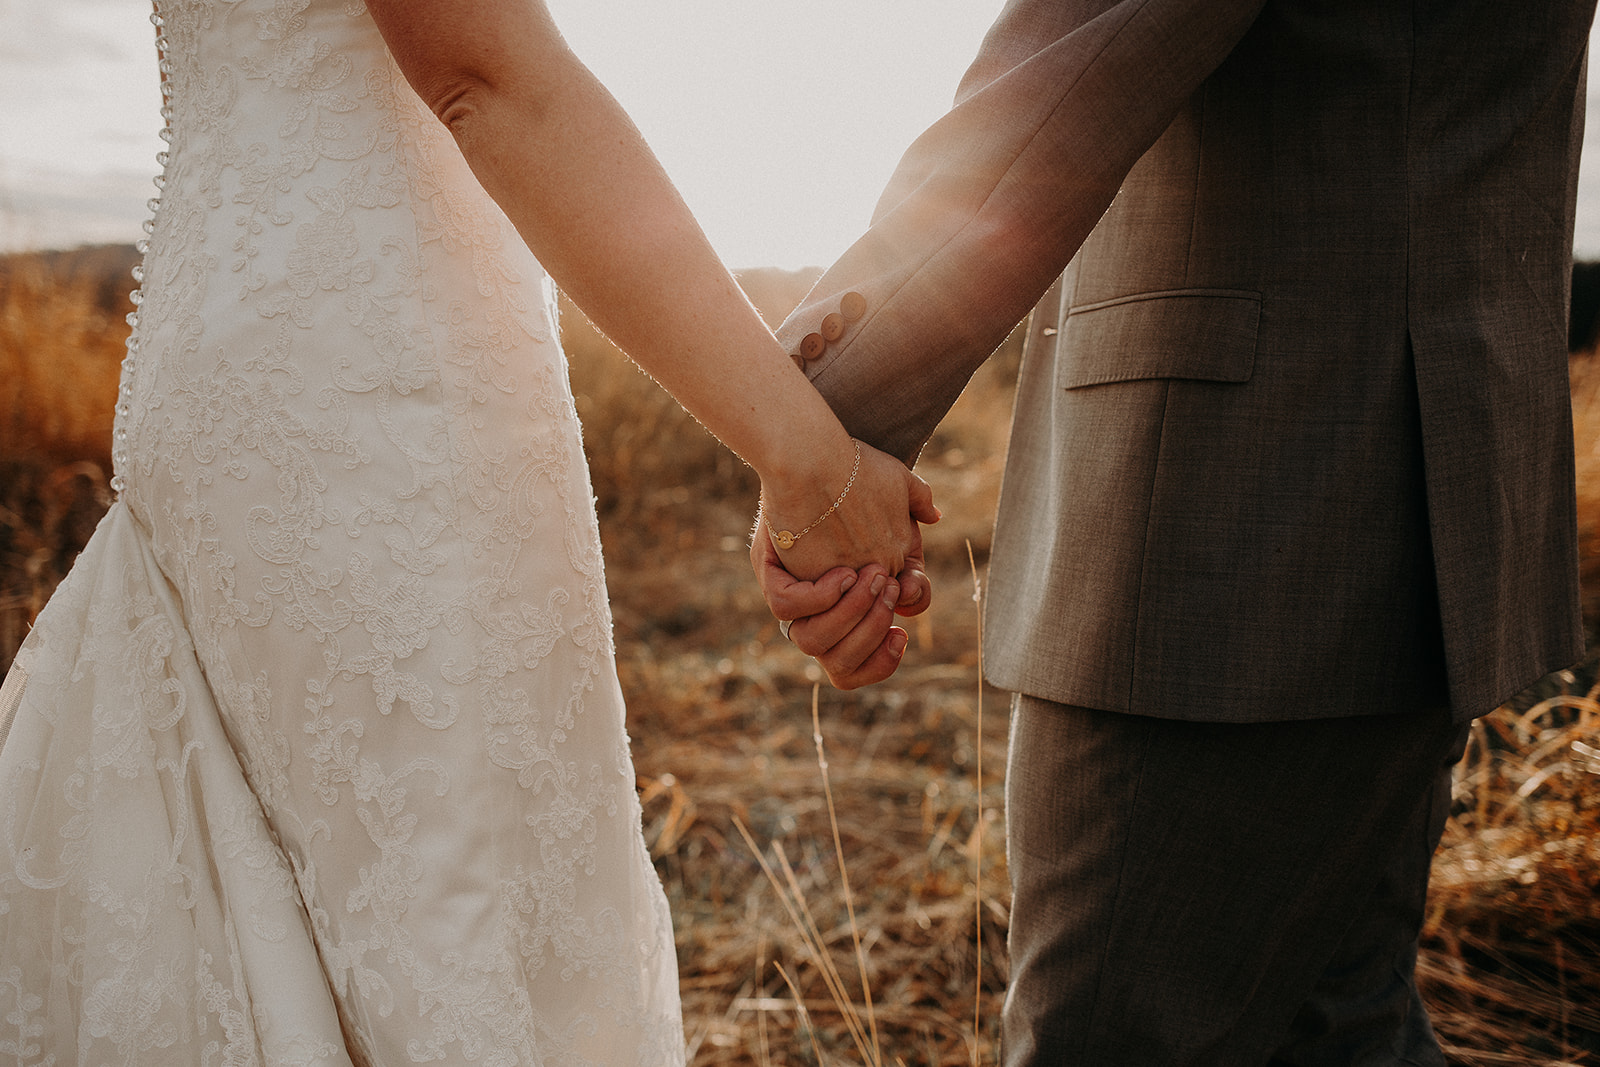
<point x="320" y="755"/>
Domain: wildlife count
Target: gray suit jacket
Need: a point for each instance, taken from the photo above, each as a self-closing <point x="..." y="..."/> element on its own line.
<point x="1292" y="435"/>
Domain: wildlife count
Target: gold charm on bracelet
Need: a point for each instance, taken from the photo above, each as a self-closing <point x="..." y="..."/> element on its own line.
<point x="785" y="539"/>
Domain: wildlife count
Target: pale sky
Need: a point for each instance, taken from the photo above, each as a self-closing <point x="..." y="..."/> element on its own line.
<point x="779" y="120"/>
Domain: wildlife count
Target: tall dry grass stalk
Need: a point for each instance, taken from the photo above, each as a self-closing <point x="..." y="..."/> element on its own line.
<point x="794" y="902"/>
<point x="844" y="880"/>
<point x="977" y="852"/>
<point x="793" y="898"/>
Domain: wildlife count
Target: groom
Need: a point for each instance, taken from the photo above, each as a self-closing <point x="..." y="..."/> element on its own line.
<point x="1289" y="493"/>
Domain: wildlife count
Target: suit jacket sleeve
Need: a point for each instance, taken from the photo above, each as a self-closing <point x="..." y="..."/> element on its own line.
<point x="990" y="203"/>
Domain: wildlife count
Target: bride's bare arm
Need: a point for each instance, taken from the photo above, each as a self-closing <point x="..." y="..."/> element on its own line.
<point x="565" y="163"/>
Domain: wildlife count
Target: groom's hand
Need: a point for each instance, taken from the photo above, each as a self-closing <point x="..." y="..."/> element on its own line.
<point x="844" y="619"/>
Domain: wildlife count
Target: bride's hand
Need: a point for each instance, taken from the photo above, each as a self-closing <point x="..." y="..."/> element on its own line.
<point x="874" y="520"/>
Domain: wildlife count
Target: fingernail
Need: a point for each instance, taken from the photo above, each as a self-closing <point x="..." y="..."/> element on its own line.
<point x="891" y="594"/>
<point x="846" y="582"/>
<point x="897" y="643"/>
<point x="877" y="584"/>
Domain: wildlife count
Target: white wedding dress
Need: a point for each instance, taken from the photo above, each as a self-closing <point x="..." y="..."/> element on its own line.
<point x="318" y="753"/>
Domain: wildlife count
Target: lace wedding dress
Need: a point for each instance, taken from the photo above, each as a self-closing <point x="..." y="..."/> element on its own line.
<point x="318" y="752"/>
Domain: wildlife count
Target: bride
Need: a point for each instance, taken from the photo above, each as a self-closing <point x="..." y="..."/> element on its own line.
<point x="317" y="755"/>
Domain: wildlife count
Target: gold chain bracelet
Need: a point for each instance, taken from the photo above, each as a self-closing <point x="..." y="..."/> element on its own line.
<point x="785" y="539"/>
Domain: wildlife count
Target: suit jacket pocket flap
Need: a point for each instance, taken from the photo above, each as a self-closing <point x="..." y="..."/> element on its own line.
<point x="1209" y="334"/>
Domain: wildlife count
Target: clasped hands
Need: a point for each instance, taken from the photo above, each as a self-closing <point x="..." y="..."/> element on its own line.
<point x="842" y="583"/>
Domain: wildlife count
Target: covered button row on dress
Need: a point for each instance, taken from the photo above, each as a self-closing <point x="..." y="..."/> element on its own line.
<point x="124" y="409"/>
<point x="851" y="307"/>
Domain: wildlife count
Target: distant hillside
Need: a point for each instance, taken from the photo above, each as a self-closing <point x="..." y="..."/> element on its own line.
<point x="107" y="271"/>
<point x="775" y="292"/>
<point x="61" y="341"/>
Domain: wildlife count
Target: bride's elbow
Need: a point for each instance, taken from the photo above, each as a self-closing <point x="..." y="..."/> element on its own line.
<point x="474" y="65"/>
<point x="469" y="104"/>
<point x="459" y="101"/>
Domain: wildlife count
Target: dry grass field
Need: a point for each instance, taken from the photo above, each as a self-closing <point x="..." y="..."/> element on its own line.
<point x="747" y="827"/>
